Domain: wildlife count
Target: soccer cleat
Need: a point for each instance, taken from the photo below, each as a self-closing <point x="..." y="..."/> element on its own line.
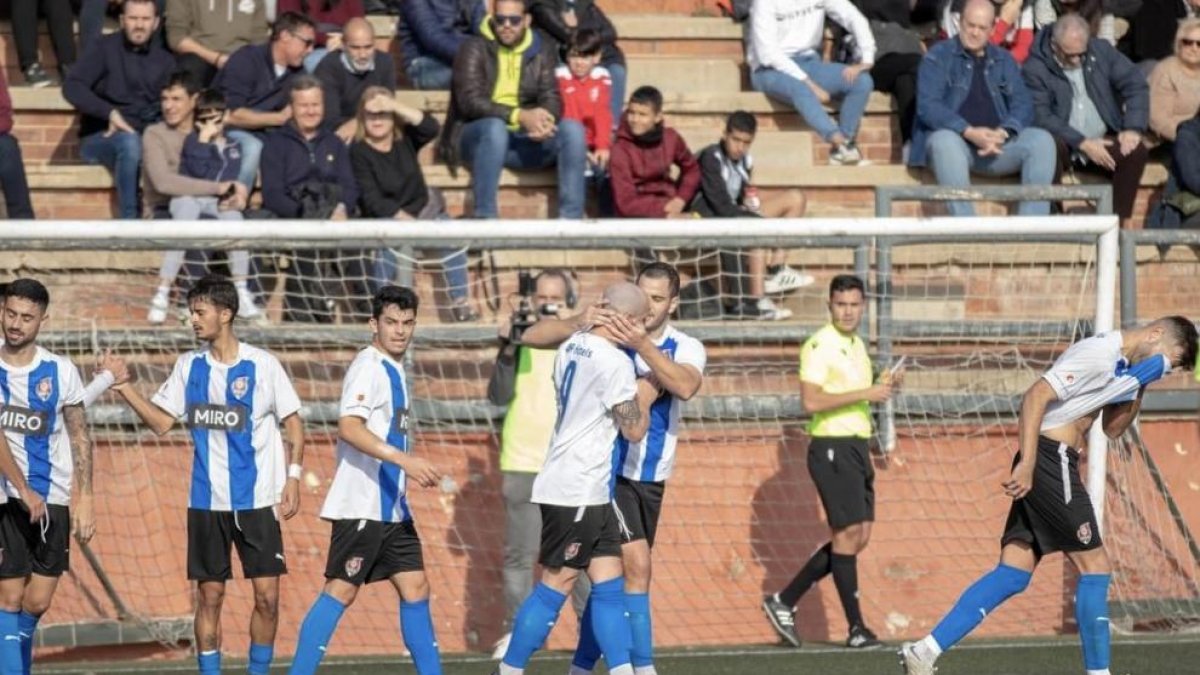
<point x="501" y="647"/>
<point x="861" y="637"/>
<point x="782" y="619"/>
<point x="160" y="304"/>
<point x="786" y="279"/>
<point x="36" y="77"/>
<point x="768" y="311"/>
<point x="913" y="664"/>
<point x="247" y="307"/>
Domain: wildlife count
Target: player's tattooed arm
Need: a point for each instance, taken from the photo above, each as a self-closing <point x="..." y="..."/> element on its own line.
<point x="8" y="467"/>
<point x="633" y="416"/>
<point x="84" y="521"/>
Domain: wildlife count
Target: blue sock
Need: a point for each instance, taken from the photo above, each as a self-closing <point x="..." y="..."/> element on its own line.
<point x="1091" y="613"/>
<point x="587" y="652"/>
<point x="978" y="601"/>
<point x="210" y="663"/>
<point x="610" y="623"/>
<point x="260" y="659"/>
<point x="638" y="607"/>
<point x="416" y="625"/>
<point x="27" y="625"/>
<point x="315" y="633"/>
<point x="532" y="625"/>
<point x="10" y="644"/>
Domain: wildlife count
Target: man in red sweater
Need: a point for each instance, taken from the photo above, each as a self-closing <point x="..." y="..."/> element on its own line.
<point x="12" y="169"/>
<point x="642" y="157"/>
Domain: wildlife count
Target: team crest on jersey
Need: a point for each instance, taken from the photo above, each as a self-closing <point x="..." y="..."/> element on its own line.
<point x="1084" y="534"/>
<point x="239" y="386"/>
<point x="354" y="566"/>
<point x="45" y="387"/>
<point x="572" y="551"/>
<point x="1070" y="378"/>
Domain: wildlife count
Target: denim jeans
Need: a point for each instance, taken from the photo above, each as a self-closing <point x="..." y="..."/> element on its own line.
<point x="827" y="76"/>
<point x="487" y="146"/>
<point x="1032" y="154"/>
<point x="617" y="72"/>
<point x="13" y="181"/>
<point x="426" y="72"/>
<point x="454" y="270"/>
<point x="252" y="147"/>
<point x="120" y="153"/>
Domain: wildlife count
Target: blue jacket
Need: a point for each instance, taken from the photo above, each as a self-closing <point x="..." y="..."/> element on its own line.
<point x="437" y="28"/>
<point x="944" y="80"/>
<point x="248" y="80"/>
<point x="115" y="74"/>
<point x="288" y="161"/>
<point x="207" y="161"/>
<point x="1116" y="86"/>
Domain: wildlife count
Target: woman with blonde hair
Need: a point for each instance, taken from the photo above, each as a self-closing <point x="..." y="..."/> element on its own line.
<point x="1175" y="83"/>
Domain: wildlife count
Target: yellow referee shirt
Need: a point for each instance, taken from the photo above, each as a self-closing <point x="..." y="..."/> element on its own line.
<point x="838" y="363"/>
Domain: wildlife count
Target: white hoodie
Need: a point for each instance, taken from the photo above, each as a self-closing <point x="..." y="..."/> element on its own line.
<point x="781" y="29"/>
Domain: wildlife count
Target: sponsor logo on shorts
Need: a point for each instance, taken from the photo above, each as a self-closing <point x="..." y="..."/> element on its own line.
<point x="572" y="551"/>
<point x="217" y="417"/>
<point x="239" y="386"/>
<point x="45" y="387"/>
<point x="24" y="421"/>
<point x="1084" y="534"/>
<point x="354" y="566"/>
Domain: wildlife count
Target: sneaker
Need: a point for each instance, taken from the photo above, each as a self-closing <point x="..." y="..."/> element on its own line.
<point x="861" y="637"/>
<point x="768" y="311"/>
<point x="782" y="619"/>
<point x="501" y="647"/>
<point x="914" y="664"/>
<point x="464" y="313"/>
<point x="786" y="279"/>
<point x="247" y="307"/>
<point x="742" y="310"/>
<point x="160" y="304"/>
<point x="36" y="77"/>
<point x="847" y="154"/>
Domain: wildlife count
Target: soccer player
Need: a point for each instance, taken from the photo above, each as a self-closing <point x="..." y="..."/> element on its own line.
<point x="231" y="397"/>
<point x="599" y="396"/>
<point x="43" y="419"/>
<point x="837" y="388"/>
<point x="1101" y="377"/>
<point x="373" y="536"/>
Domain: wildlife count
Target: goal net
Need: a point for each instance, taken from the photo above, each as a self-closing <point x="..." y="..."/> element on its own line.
<point x="979" y="307"/>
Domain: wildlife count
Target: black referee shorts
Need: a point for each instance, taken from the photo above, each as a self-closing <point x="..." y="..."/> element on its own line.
<point x="639" y="504"/>
<point x="841" y="469"/>
<point x="1057" y="514"/>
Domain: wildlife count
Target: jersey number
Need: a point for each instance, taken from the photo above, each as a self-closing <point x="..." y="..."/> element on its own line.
<point x="564" y="392"/>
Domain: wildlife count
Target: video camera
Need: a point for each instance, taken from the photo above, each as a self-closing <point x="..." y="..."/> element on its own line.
<point x="526" y="313"/>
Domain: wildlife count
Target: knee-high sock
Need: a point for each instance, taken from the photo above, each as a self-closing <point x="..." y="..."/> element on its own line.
<point x="587" y="652"/>
<point x="812" y="572"/>
<point x="315" y="634"/>
<point x="638" y="607"/>
<point x="610" y="623"/>
<point x="532" y="625"/>
<point x="27" y="626"/>
<point x="209" y="663"/>
<point x="10" y="644"/>
<point x="416" y="625"/>
<point x="260" y="659"/>
<point x="1091" y="612"/>
<point x="845" y="578"/>
<point x="977" y="602"/>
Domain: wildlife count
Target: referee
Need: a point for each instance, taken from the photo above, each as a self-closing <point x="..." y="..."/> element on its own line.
<point x="837" y="389"/>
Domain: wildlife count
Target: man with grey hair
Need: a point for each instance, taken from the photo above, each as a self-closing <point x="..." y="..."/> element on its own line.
<point x="1096" y="104"/>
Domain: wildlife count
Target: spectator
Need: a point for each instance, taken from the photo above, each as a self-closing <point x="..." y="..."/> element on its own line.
<point x="307" y="174"/>
<point x="785" y="63"/>
<point x="726" y="192"/>
<point x="586" y="90"/>
<point x="346" y="74"/>
<point x="1101" y="23"/>
<point x="1181" y="198"/>
<point x="642" y="159"/>
<point x="116" y="89"/>
<point x="974" y="114"/>
<point x="1146" y="43"/>
<point x="898" y="52"/>
<point x="1012" y="31"/>
<point x="330" y="17"/>
<point x="1095" y="103"/>
<point x="430" y="33"/>
<point x="61" y="25"/>
<point x="561" y="19"/>
<point x="204" y="34"/>
<point x="1175" y="83"/>
<point x="505" y="111"/>
<point x="12" y="167"/>
<point x="256" y="82"/>
<point x="388" y="137"/>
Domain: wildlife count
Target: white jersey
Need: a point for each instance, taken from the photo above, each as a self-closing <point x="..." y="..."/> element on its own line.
<point x="233" y="413"/>
<point x="31" y="406"/>
<point x="591" y="375"/>
<point x="365" y="488"/>
<point x="652" y="458"/>
<point x="1091" y="374"/>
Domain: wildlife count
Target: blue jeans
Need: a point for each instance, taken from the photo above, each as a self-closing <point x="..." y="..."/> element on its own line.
<point x="487" y="147"/>
<point x="1032" y="154"/>
<point x="120" y="153"/>
<point x="426" y="72"/>
<point x="619" y="76"/>
<point x="252" y="147"/>
<point x="454" y="270"/>
<point x="827" y="76"/>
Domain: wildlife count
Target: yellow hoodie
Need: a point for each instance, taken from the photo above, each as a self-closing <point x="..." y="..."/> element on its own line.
<point x="508" y="71"/>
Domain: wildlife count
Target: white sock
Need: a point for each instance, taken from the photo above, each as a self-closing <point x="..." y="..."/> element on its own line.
<point x="928" y="649"/>
<point x="576" y="670"/>
<point x="506" y="669"/>
<point x="1099" y="672"/>
<point x="645" y="670"/>
<point x="626" y="669"/>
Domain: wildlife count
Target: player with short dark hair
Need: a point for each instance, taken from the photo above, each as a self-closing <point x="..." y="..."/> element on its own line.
<point x="232" y="397"/>
<point x="1102" y="377"/>
<point x="373" y="537"/>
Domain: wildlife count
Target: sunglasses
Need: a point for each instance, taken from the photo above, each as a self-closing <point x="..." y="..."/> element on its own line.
<point x="509" y="19"/>
<point x="1188" y="42"/>
<point x="308" y="42"/>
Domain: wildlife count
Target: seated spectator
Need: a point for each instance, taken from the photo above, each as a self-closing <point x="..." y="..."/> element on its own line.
<point x="898" y="52"/>
<point x="586" y="90"/>
<point x="204" y="34"/>
<point x="1175" y="83"/>
<point x="1013" y="30"/>
<point x="505" y="110"/>
<point x="561" y="19"/>
<point x="974" y="114"/>
<point x="784" y="52"/>
<point x="391" y="185"/>
<point x="306" y="174"/>
<point x="1101" y="23"/>
<point x="330" y="17"/>
<point x="256" y="82"/>
<point x="347" y="73"/>
<point x="1181" y="197"/>
<point x="61" y="25"/>
<point x="726" y="169"/>
<point x="1095" y="103"/>
<point x="642" y="159"/>
<point x="1147" y="42"/>
<point x="12" y="166"/>
<point x="430" y="33"/>
<point x="116" y="90"/>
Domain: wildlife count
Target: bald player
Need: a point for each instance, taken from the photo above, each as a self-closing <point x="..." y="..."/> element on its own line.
<point x="346" y="73"/>
<point x="599" y="396"/>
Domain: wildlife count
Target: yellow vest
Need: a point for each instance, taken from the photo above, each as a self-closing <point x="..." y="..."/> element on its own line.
<point x="838" y="363"/>
<point x="529" y="422"/>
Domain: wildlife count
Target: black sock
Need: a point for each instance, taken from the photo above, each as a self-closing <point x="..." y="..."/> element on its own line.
<point x="812" y="572"/>
<point x="845" y="577"/>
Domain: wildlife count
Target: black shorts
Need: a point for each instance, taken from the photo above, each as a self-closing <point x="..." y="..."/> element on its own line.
<point x="255" y="533"/>
<point x="573" y="535"/>
<point x="42" y="548"/>
<point x="638" y="506"/>
<point x="366" y="551"/>
<point x="845" y="479"/>
<point x="1057" y="514"/>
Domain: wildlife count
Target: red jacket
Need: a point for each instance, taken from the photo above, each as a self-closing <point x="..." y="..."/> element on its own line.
<point x="336" y="15"/>
<point x="640" y="171"/>
<point x="6" y="108"/>
<point x="589" y="102"/>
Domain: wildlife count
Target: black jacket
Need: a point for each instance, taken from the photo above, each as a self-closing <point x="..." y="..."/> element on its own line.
<point x="116" y="74"/>
<point x="712" y="200"/>
<point x="248" y="80"/>
<point x="288" y="162"/>
<point x="547" y="17"/>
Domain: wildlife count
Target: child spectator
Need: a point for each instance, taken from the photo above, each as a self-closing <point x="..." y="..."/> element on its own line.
<point x="586" y="90"/>
<point x="641" y="161"/>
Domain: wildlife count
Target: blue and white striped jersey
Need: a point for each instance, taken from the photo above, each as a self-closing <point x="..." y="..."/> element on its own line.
<point x="1092" y="373"/>
<point x="233" y="413"/>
